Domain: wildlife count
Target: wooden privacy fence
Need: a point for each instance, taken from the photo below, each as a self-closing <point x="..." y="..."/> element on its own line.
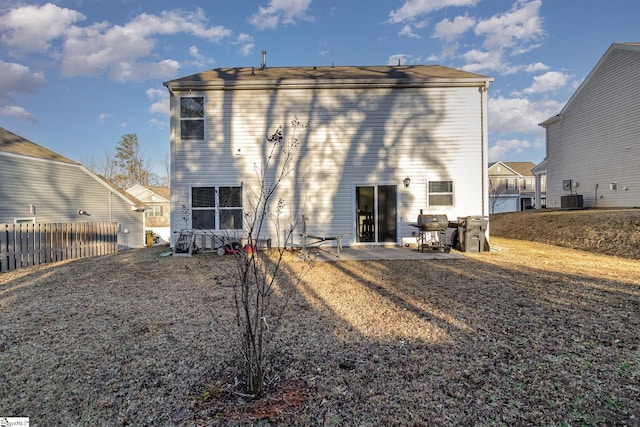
<point x="24" y="245"/>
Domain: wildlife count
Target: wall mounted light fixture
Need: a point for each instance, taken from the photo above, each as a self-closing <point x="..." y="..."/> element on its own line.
<point x="406" y="182"/>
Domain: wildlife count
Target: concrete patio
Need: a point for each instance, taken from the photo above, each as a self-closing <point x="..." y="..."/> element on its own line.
<point x="361" y="253"/>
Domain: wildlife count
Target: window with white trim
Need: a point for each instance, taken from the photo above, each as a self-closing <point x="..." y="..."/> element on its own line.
<point x="530" y="184"/>
<point x="153" y="211"/>
<point x="511" y="183"/>
<point x="192" y="118"/>
<point x="440" y="193"/>
<point x="216" y="208"/>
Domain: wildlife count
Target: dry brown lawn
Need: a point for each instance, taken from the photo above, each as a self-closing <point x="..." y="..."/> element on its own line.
<point x="526" y="334"/>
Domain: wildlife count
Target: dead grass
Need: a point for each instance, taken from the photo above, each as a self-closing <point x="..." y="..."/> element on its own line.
<point x="604" y="231"/>
<point x="527" y="334"/>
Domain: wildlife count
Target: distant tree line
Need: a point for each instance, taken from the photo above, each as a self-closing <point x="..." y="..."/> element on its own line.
<point x="127" y="167"/>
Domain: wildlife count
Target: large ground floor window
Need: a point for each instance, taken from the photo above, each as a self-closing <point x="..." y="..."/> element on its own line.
<point x="216" y="208"/>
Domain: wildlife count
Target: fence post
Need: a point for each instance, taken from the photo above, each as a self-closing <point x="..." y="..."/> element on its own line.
<point x="4" y="248"/>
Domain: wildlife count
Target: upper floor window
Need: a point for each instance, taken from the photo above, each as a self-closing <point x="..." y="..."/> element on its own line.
<point x="192" y="118"/>
<point x="153" y="211"/>
<point x="511" y="183"/>
<point x="216" y="208"/>
<point x="530" y="184"/>
<point x="440" y="193"/>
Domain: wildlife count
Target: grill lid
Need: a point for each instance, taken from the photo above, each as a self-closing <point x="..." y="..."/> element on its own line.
<point x="432" y="221"/>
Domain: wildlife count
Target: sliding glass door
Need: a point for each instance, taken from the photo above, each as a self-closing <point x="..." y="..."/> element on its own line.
<point x="376" y="213"/>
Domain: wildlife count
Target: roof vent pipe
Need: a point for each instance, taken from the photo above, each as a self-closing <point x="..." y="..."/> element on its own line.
<point x="264" y="60"/>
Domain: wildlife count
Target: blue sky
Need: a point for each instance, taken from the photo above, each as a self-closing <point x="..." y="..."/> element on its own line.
<point x="76" y="75"/>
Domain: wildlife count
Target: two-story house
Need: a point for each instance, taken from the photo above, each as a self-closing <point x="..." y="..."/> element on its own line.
<point x="512" y="187"/>
<point x="383" y="143"/>
<point x="592" y="144"/>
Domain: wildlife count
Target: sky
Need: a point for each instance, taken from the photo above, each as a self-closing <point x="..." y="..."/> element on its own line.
<point x="77" y="75"/>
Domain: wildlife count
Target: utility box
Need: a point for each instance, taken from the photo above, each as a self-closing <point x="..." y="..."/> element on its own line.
<point x="571" y="202"/>
<point x="472" y="232"/>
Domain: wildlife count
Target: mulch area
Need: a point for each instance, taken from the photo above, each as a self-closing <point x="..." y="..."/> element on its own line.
<point x="527" y="334"/>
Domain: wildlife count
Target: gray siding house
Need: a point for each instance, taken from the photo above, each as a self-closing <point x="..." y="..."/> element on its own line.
<point x="384" y="142"/>
<point x="39" y="185"/>
<point x="592" y="145"/>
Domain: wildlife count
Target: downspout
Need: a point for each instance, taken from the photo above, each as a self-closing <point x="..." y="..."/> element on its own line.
<point x="484" y="149"/>
<point x="172" y="186"/>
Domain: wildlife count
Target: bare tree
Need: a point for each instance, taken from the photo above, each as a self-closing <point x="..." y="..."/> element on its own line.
<point x="259" y="272"/>
<point x="497" y="189"/>
<point x="166" y="163"/>
<point x="105" y="167"/>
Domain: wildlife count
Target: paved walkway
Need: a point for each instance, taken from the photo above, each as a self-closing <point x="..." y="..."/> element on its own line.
<point x="359" y="253"/>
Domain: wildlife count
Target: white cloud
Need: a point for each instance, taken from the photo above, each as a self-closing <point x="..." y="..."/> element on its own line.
<point x="103" y="117"/>
<point x="32" y="28"/>
<point x="502" y="147"/>
<point x="158" y="123"/>
<point x="481" y="61"/>
<point x="538" y="66"/>
<point x="245" y="41"/>
<point x="141" y="71"/>
<point x="18" y="78"/>
<point x="546" y="82"/>
<point x="515" y="29"/>
<point x="122" y="52"/>
<point x="280" y="12"/>
<point x="507" y="34"/>
<point x="522" y="115"/>
<point x="412" y="9"/>
<point x="160" y="101"/>
<point x="448" y="30"/>
<point x="407" y="30"/>
<point x="199" y="60"/>
<point x="95" y="49"/>
<point x="17" y="112"/>
<point x="177" y="21"/>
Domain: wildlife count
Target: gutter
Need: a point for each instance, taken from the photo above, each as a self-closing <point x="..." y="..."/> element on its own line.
<point x="323" y="84"/>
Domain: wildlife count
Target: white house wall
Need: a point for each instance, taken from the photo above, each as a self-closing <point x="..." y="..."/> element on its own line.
<point x="596" y="141"/>
<point x="59" y="191"/>
<point x="356" y="137"/>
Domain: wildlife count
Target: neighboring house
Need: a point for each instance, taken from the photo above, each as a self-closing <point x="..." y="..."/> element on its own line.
<point x="592" y="145"/>
<point x="384" y="142"/>
<point x="39" y="185"/>
<point x="157" y="213"/>
<point x="512" y="187"/>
